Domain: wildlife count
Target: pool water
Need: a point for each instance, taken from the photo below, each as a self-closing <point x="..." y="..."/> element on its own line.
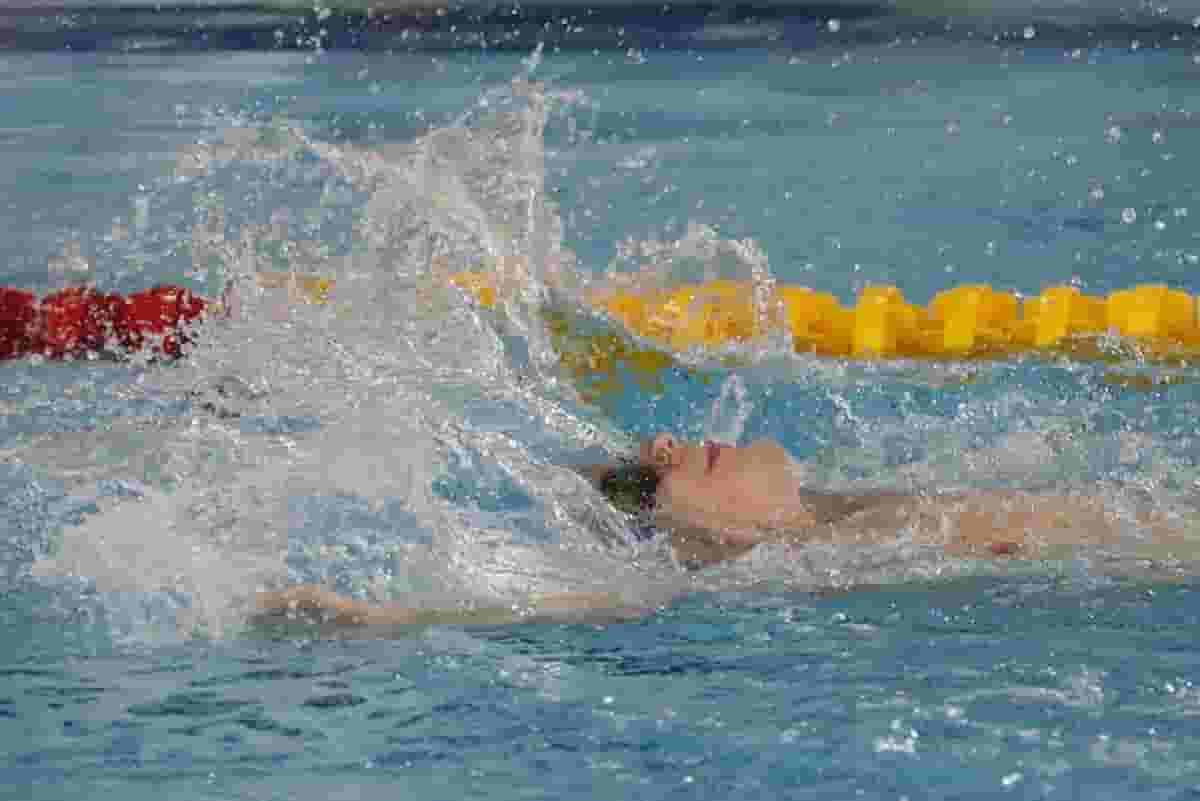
<point x="401" y="442"/>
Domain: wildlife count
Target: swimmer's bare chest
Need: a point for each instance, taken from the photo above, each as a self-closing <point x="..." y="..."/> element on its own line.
<point x="830" y="508"/>
<point x="813" y="517"/>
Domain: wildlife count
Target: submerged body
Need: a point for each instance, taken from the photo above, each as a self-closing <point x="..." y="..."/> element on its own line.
<point x="717" y="502"/>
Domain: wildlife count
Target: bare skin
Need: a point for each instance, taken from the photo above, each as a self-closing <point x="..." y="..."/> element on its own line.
<point x="718" y="502"/>
<point x="311" y="603"/>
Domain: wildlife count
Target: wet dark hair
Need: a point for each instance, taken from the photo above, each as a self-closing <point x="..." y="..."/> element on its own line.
<point x="631" y="487"/>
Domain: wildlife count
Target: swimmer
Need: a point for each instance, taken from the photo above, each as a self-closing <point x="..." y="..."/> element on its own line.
<point x="716" y="502"/>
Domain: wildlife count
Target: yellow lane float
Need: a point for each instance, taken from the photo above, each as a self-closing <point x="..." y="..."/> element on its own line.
<point x="972" y="321"/>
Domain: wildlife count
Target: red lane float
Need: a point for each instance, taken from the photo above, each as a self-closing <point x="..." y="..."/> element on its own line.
<point x="74" y="322"/>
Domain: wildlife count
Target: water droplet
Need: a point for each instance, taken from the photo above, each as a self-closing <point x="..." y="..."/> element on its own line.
<point x="1157" y="137"/>
<point x="141" y="213"/>
<point x="1128" y="216"/>
<point x="834" y="25"/>
<point x="1029" y="32"/>
<point x="1097" y="193"/>
<point x="1159" y="225"/>
<point x="1113" y="134"/>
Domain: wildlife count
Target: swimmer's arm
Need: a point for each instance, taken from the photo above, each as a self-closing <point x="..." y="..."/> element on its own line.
<point x="312" y="603"/>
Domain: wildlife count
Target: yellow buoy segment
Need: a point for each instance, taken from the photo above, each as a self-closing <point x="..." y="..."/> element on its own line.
<point x="1064" y="311"/>
<point x="819" y="324"/>
<point x="1152" y="311"/>
<point x="975" y="317"/>
<point x="968" y="321"/>
<point x="879" y="319"/>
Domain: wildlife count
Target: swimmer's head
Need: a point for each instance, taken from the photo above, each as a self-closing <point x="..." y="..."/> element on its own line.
<point x="631" y="487"/>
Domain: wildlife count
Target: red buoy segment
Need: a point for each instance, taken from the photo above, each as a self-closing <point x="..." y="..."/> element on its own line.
<point x="73" y="322"/>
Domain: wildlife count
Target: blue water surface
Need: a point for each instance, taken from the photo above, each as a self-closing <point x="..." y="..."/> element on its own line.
<point x="854" y="147"/>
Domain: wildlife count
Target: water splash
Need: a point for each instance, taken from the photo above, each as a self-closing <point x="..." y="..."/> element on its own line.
<point x="401" y="442"/>
<point x="372" y="404"/>
<point x="729" y="412"/>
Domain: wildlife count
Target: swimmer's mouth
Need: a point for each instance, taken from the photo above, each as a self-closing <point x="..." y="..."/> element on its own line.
<point x="712" y="450"/>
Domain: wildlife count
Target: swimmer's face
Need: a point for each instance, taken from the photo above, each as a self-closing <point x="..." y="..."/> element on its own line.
<point x="702" y="464"/>
<point x="737" y="491"/>
<point x="722" y="485"/>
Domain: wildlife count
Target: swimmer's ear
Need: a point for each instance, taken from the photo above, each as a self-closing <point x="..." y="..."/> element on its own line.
<point x="664" y="451"/>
